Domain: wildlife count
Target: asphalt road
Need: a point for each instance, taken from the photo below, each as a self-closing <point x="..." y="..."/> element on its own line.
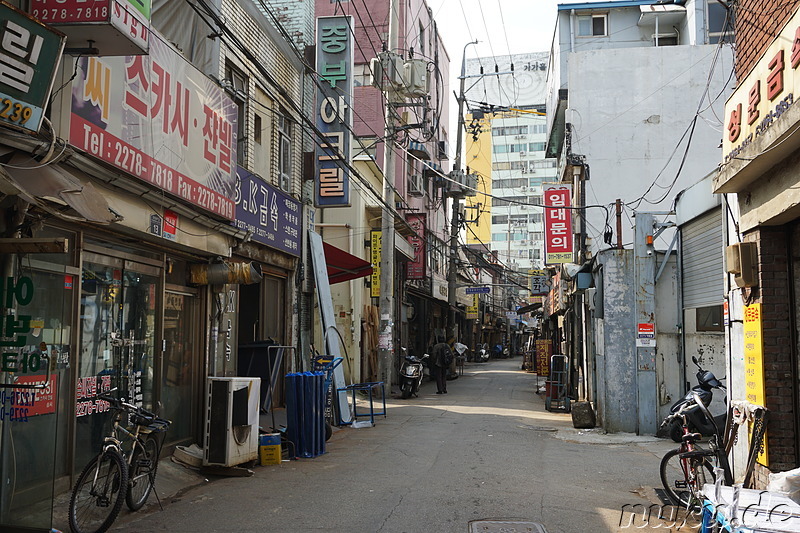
<point x="486" y="450"/>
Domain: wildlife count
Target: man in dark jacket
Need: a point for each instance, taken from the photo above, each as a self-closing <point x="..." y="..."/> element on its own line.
<point x="442" y="357"/>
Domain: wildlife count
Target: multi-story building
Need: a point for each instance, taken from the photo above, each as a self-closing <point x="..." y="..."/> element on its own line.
<point x="635" y="89"/>
<point x="420" y="304"/>
<point x="153" y="222"/>
<point x="505" y="148"/>
<point x="758" y="177"/>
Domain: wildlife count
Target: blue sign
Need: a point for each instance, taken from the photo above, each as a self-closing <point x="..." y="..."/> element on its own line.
<point x="333" y="115"/>
<point x="269" y="214"/>
<point x="479" y="290"/>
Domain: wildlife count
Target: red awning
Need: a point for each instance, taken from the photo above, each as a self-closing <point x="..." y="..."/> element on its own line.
<point x="343" y="266"/>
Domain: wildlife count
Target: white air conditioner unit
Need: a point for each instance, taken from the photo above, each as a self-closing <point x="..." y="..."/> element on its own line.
<point x="231" y="424"/>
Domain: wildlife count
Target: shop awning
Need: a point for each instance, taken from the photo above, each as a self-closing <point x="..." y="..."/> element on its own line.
<point x="418" y="149"/>
<point x="55" y="183"/>
<point x="343" y="266"/>
<point x="528" y="308"/>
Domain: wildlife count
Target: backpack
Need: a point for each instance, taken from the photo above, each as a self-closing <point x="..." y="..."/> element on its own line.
<point x="448" y="356"/>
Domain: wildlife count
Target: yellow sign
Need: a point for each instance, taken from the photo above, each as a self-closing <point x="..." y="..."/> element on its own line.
<point x="754" y="363"/>
<point x="472" y="310"/>
<point x="375" y="258"/>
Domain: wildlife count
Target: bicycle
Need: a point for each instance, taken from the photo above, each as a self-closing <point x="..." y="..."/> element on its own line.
<point x="686" y="469"/>
<point x="124" y="470"/>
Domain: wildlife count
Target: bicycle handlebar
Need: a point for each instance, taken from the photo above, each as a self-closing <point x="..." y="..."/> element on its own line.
<point x="120" y="404"/>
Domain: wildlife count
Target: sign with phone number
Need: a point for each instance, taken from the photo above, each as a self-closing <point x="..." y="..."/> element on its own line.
<point x="29" y="56"/>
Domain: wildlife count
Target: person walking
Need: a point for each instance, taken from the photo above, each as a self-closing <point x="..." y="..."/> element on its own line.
<point x="442" y="358"/>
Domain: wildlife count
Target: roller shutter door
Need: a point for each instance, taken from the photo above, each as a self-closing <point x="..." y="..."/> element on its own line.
<point x="702" y="257"/>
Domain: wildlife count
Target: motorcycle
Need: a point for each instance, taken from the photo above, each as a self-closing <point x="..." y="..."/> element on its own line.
<point x="482" y="353"/>
<point x="411" y="374"/>
<point x="697" y="421"/>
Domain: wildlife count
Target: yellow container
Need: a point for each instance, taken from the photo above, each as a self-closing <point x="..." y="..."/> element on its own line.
<point x="269" y="449"/>
<point x="270" y="455"/>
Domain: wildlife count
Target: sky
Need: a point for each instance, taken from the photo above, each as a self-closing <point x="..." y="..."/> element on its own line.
<point x="502" y="27"/>
<point x="520" y="26"/>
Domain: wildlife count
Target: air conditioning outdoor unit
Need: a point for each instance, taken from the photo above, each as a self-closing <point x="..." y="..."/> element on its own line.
<point x="231" y="424"/>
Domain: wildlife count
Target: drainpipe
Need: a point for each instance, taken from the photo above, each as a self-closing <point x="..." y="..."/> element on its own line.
<point x="572" y="30"/>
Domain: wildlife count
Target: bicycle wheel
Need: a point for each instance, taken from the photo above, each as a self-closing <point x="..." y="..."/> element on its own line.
<point x="142" y="473"/>
<point x="97" y="497"/>
<point x="684" y="488"/>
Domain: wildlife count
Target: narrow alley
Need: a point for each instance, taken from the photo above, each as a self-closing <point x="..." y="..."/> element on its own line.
<point x="486" y="450"/>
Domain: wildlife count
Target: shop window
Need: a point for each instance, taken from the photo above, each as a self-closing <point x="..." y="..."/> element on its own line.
<point x="709" y="318"/>
<point x="236" y="87"/>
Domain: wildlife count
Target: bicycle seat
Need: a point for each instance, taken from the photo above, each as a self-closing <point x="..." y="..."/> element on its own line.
<point x="691" y="437"/>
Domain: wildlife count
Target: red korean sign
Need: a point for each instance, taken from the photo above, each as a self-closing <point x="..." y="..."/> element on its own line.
<point x="558" y="224"/>
<point x="416" y="268"/>
<point x="37" y="401"/>
<point x="161" y="120"/>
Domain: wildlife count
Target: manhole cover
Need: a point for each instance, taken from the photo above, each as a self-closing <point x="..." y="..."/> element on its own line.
<point x="505" y="526"/>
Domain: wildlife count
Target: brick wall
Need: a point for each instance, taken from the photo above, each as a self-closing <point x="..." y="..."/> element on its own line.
<point x="757" y="22"/>
<point x="774" y="294"/>
<point x="252" y="33"/>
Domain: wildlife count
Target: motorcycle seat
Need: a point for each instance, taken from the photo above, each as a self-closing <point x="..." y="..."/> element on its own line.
<point x="691" y="437"/>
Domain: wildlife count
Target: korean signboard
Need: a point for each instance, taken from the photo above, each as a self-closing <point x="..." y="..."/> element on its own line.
<point x="161" y="120"/>
<point x="375" y="259"/>
<point x="416" y="268"/>
<point x="558" y="224"/>
<point x="539" y="282"/>
<point x="271" y="216"/>
<point x="472" y="310"/>
<point x="754" y="362"/>
<point x="544" y="350"/>
<point x="29" y="56"/>
<point x="333" y="114"/>
<point x="118" y="27"/>
<point x="765" y="94"/>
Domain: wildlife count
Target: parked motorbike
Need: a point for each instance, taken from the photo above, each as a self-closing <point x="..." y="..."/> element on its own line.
<point x="411" y="374"/>
<point x="697" y="421"/>
<point x="482" y="353"/>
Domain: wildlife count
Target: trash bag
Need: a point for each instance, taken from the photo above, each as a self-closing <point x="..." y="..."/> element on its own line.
<point x="786" y="483"/>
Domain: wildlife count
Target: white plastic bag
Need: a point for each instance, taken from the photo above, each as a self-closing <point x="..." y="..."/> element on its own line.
<point x="786" y="483"/>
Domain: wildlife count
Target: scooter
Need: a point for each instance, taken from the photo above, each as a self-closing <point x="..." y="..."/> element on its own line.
<point x="410" y="374"/>
<point x="696" y="420"/>
<point x="482" y="353"/>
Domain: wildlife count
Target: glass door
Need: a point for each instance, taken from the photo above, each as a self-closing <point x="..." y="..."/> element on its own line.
<point x="119" y="303"/>
<point x="182" y="357"/>
<point x="35" y="377"/>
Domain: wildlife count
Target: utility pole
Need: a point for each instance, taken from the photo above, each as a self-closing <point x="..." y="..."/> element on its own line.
<point x="386" y="299"/>
<point x="455" y="195"/>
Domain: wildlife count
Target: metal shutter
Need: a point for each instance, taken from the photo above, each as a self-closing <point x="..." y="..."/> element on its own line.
<point x="702" y="256"/>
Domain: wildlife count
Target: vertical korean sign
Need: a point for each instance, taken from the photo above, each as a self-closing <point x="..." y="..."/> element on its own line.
<point x="416" y="268"/>
<point x="754" y="362"/>
<point x="333" y="114"/>
<point x="558" y="224"/>
<point x="29" y="56"/>
<point x="473" y="310"/>
<point x="160" y="119"/>
<point x="539" y="285"/>
<point x="375" y="259"/>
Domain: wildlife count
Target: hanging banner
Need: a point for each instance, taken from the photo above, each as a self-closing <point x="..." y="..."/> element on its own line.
<point x="416" y="268"/>
<point x="558" y="224"/>
<point x="333" y="113"/>
<point x="754" y="363"/>
<point x="375" y="259"/>
<point x="161" y="120"/>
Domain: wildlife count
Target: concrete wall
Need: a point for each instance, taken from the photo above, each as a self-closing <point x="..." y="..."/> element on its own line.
<point x="617" y="384"/>
<point x="668" y="340"/>
<point x="629" y="109"/>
